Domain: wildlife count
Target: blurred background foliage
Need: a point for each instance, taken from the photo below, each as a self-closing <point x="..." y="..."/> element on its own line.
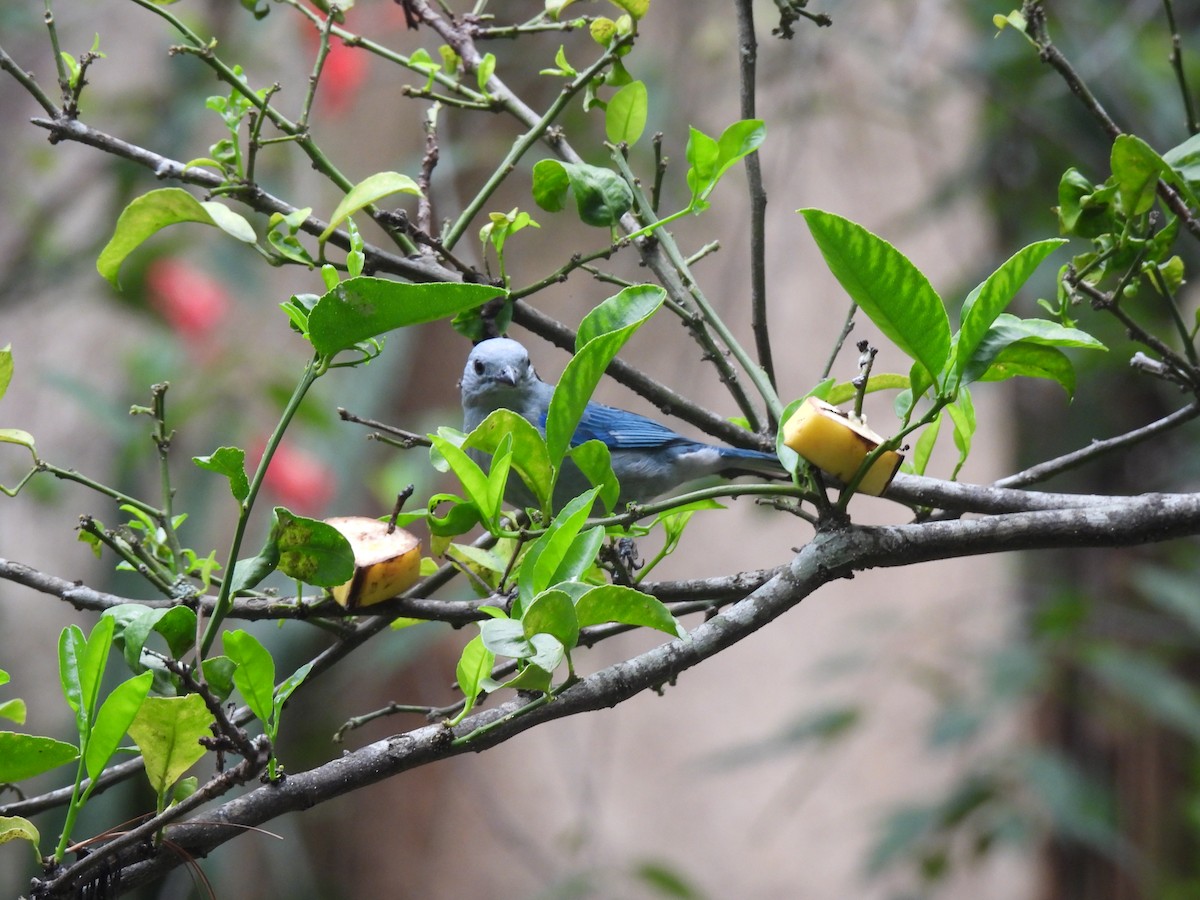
<point x="1102" y="784"/>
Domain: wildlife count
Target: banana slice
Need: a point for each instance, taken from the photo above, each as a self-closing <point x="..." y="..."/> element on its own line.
<point x="833" y="441"/>
<point x="384" y="564"/>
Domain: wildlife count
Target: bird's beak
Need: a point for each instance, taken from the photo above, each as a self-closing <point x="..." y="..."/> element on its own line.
<point x="507" y="375"/>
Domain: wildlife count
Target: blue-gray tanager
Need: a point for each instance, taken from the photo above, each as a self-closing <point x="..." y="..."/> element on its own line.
<point x="648" y="459"/>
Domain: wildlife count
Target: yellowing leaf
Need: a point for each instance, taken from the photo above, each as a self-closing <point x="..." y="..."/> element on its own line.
<point x="369" y="190"/>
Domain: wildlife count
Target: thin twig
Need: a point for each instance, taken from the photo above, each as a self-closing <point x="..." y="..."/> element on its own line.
<point x="668" y="401"/>
<point x="1189" y="106"/>
<point x="747" y="81"/>
<point x="1035" y="15"/>
<point x="1097" y="448"/>
<point x="407" y="439"/>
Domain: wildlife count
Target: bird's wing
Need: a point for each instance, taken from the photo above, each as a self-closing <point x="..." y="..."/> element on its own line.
<point x="620" y="429"/>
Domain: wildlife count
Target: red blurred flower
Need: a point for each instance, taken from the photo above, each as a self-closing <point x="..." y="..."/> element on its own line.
<point x="192" y="301"/>
<point x="299" y="480"/>
<point x="344" y="71"/>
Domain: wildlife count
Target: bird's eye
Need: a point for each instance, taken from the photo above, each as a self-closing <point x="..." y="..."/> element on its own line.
<point x="479" y="367"/>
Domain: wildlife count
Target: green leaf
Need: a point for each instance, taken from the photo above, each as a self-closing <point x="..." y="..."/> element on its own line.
<point x="617" y="603"/>
<point x="497" y="477"/>
<point x="312" y="551"/>
<point x="555" y="7"/>
<point x="553" y="613"/>
<point x="529" y="455"/>
<point x="1136" y="169"/>
<point x="601" y="195"/>
<point x="552" y="553"/>
<point x="703" y="157"/>
<point x="154" y="211"/>
<point x="530" y="678"/>
<point x="564" y="69"/>
<point x="893" y="292"/>
<point x="602" y="334"/>
<point x="675" y="521"/>
<point x="113" y="720"/>
<point x="919" y="460"/>
<point x="6" y="369"/>
<point x="1185" y="160"/>
<point x="71" y="645"/>
<point x="637" y="9"/>
<point x="218" y="675"/>
<point x="26" y="755"/>
<point x="134" y="623"/>
<point x="474" y="666"/>
<point x="962" y="414"/>
<point x="369" y="190"/>
<point x="15" y="828"/>
<point x="603" y="30"/>
<point x="473" y="479"/>
<point x="709" y="159"/>
<point x="595" y="462"/>
<point x="788" y="457"/>
<point x="361" y="308"/>
<point x="487" y="67"/>
<point x="845" y="391"/>
<point x="17" y="436"/>
<point x="580" y="556"/>
<point x="1032" y="361"/>
<point x="14" y="710"/>
<point x="286" y="688"/>
<point x="628" y="309"/>
<point x="167" y="731"/>
<point x="184" y="789"/>
<point x="255" y="672"/>
<point x="230" y="462"/>
<point x="461" y="517"/>
<point x="506" y="637"/>
<point x="1084" y="209"/>
<point x="548" y="652"/>
<point x="1009" y="329"/>
<point x="89" y="658"/>
<point x="228" y="221"/>
<point x="625" y="117"/>
<point x="665" y="881"/>
<point x="248" y="573"/>
<point x="989" y="299"/>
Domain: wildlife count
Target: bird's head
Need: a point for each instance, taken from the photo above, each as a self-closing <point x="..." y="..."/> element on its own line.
<point x="496" y="369"/>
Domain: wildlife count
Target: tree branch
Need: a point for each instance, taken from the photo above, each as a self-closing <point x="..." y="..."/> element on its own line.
<point x="830" y="556"/>
<point x="747" y="83"/>
<point x="417" y="269"/>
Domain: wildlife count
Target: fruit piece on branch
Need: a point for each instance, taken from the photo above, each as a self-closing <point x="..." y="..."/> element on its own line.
<point x="385" y="563"/>
<point x="837" y="442"/>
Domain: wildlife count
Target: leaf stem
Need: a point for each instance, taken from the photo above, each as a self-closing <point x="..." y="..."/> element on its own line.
<point x="316" y="367"/>
<point x="755" y="372"/>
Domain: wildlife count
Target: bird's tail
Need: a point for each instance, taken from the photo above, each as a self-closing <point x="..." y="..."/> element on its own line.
<point x="750" y="462"/>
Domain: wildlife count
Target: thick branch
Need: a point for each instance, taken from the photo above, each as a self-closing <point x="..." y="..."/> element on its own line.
<point x="831" y="555"/>
<point x="418" y="269"/>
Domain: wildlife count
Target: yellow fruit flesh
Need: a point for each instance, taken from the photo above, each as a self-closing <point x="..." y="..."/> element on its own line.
<point x="385" y="564"/>
<point x="824" y="436"/>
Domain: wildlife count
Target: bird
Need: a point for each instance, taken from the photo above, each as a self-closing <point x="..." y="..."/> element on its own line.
<point x="648" y="458"/>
